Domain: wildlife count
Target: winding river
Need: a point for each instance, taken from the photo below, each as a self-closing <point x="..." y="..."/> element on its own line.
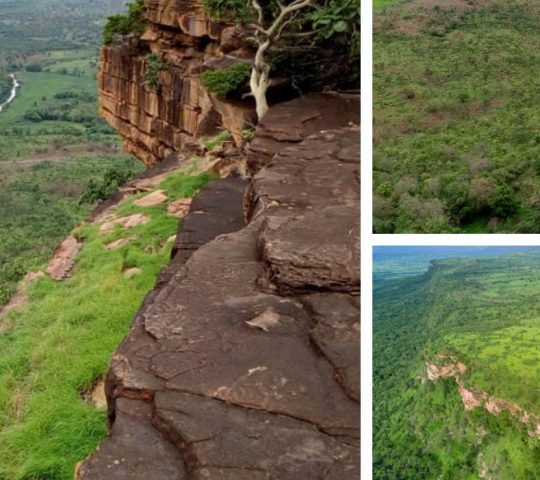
<point x="13" y="94"/>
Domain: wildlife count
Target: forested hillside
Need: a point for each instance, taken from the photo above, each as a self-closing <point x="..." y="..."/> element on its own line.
<point x="456" y="104"/>
<point x="456" y="369"/>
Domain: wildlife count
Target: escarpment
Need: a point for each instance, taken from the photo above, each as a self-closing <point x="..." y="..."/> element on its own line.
<point x="474" y="398"/>
<point x="157" y="113"/>
<point x="243" y="362"/>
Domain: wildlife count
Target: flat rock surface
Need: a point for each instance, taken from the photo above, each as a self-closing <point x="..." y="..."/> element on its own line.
<point x="125" y="222"/>
<point x="243" y="362"/>
<point x="63" y="258"/>
<point x="152" y="199"/>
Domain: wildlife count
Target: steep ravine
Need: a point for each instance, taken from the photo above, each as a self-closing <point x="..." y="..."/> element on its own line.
<point x="244" y="360"/>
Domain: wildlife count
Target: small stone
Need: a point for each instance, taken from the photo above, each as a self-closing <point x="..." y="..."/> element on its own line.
<point x="119" y="243"/>
<point x="132" y="272"/>
<point x="269" y="318"/>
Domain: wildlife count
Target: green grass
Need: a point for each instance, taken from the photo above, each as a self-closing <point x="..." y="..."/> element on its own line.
<point x="62" y="344"/>
<point x="379" y="4"/>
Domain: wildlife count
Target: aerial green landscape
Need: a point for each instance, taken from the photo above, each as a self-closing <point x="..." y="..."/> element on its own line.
<point x="456" y="363"/>
<point x="455" y="89"/>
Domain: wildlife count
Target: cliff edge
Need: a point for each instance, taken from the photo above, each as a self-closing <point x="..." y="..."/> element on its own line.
<point x="244" y="361"/>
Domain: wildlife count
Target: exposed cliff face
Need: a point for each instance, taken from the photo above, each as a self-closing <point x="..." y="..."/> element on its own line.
<point x="154" y="125"/>
<point x="243" y="363"/>
<point x="478" y="399"/>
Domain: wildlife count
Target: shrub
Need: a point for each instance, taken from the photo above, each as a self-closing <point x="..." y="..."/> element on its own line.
<point x="504" y="202"/>
<point x="153" y="66"/>
<point x="112" y="180"/>
<point x="119" y="24"/>
<point x="228" y="81"/>
<point x="229" y="9"/>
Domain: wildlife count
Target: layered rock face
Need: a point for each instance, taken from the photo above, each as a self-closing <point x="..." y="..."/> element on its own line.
<point x="155" y="122"/>
<point x="243" y="363"/>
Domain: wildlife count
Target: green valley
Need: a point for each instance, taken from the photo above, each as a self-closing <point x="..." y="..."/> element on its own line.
<point x="52" y="142"/>
<point x="456" y="104"/>
<point x="456" y="367"/>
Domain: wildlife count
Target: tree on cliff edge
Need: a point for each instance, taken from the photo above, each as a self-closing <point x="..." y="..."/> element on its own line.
<point x="275" y="20"/>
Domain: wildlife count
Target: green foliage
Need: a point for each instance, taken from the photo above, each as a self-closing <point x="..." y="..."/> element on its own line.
<point x="131" y="22"/>
<point x="154" y="66"/>
<point x="215" y="142"/>
<point x="504" y="202"/>
<point x="336" y="18"/>
<point x="455" y="118"/>
<point x="248" y="135"/>
<point x="40" y="205"/>
<point x="228" y="81"/>
<point x="62" y="343"/>
<point x="101" y="190"/>
<point x="228" y="9"/>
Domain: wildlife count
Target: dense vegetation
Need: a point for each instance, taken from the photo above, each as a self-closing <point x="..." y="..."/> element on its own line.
<point x="55" y="350"/>
<point x="456" y="104"/>
<point x="53" y="145"/>
<point x="484" y="312"/>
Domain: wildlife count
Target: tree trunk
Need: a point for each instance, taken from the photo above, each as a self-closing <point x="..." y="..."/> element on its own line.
<point x="259" y="85"/>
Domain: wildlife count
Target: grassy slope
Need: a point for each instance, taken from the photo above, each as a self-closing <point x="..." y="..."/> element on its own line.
<point x="485" y="312"/>
<point x="63" y="342"/>
<point x="456" y="117"/>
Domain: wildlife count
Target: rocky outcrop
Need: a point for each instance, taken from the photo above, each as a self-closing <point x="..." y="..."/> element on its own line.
<point x="479" y="399"/>
<point x="243" y="363"/>
<point x="155" y="122"/>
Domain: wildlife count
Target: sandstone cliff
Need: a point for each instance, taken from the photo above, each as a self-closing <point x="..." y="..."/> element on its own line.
<point x="154" y="124"/>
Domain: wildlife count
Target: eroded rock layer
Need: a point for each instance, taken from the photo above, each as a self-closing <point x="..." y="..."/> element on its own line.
<point x="155" y="120"/>
<point x="243" y="363"/>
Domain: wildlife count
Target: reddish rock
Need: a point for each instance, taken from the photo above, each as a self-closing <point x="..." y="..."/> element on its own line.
<point x="179" y="208"/>
<point x="155" y="124"/>
<point x="151" y="200"/>
<point x="63" y="258"/>
<point x="129" y="221"/>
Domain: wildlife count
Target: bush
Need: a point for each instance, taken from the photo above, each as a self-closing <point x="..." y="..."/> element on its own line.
<point x="112" y="180"/>
<point x="119" y="24"/>
<point x="229" y="9"/>
<point x="504" y="202"/>
<point x="228" y="81"/>
<point x="34" y="67"/>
